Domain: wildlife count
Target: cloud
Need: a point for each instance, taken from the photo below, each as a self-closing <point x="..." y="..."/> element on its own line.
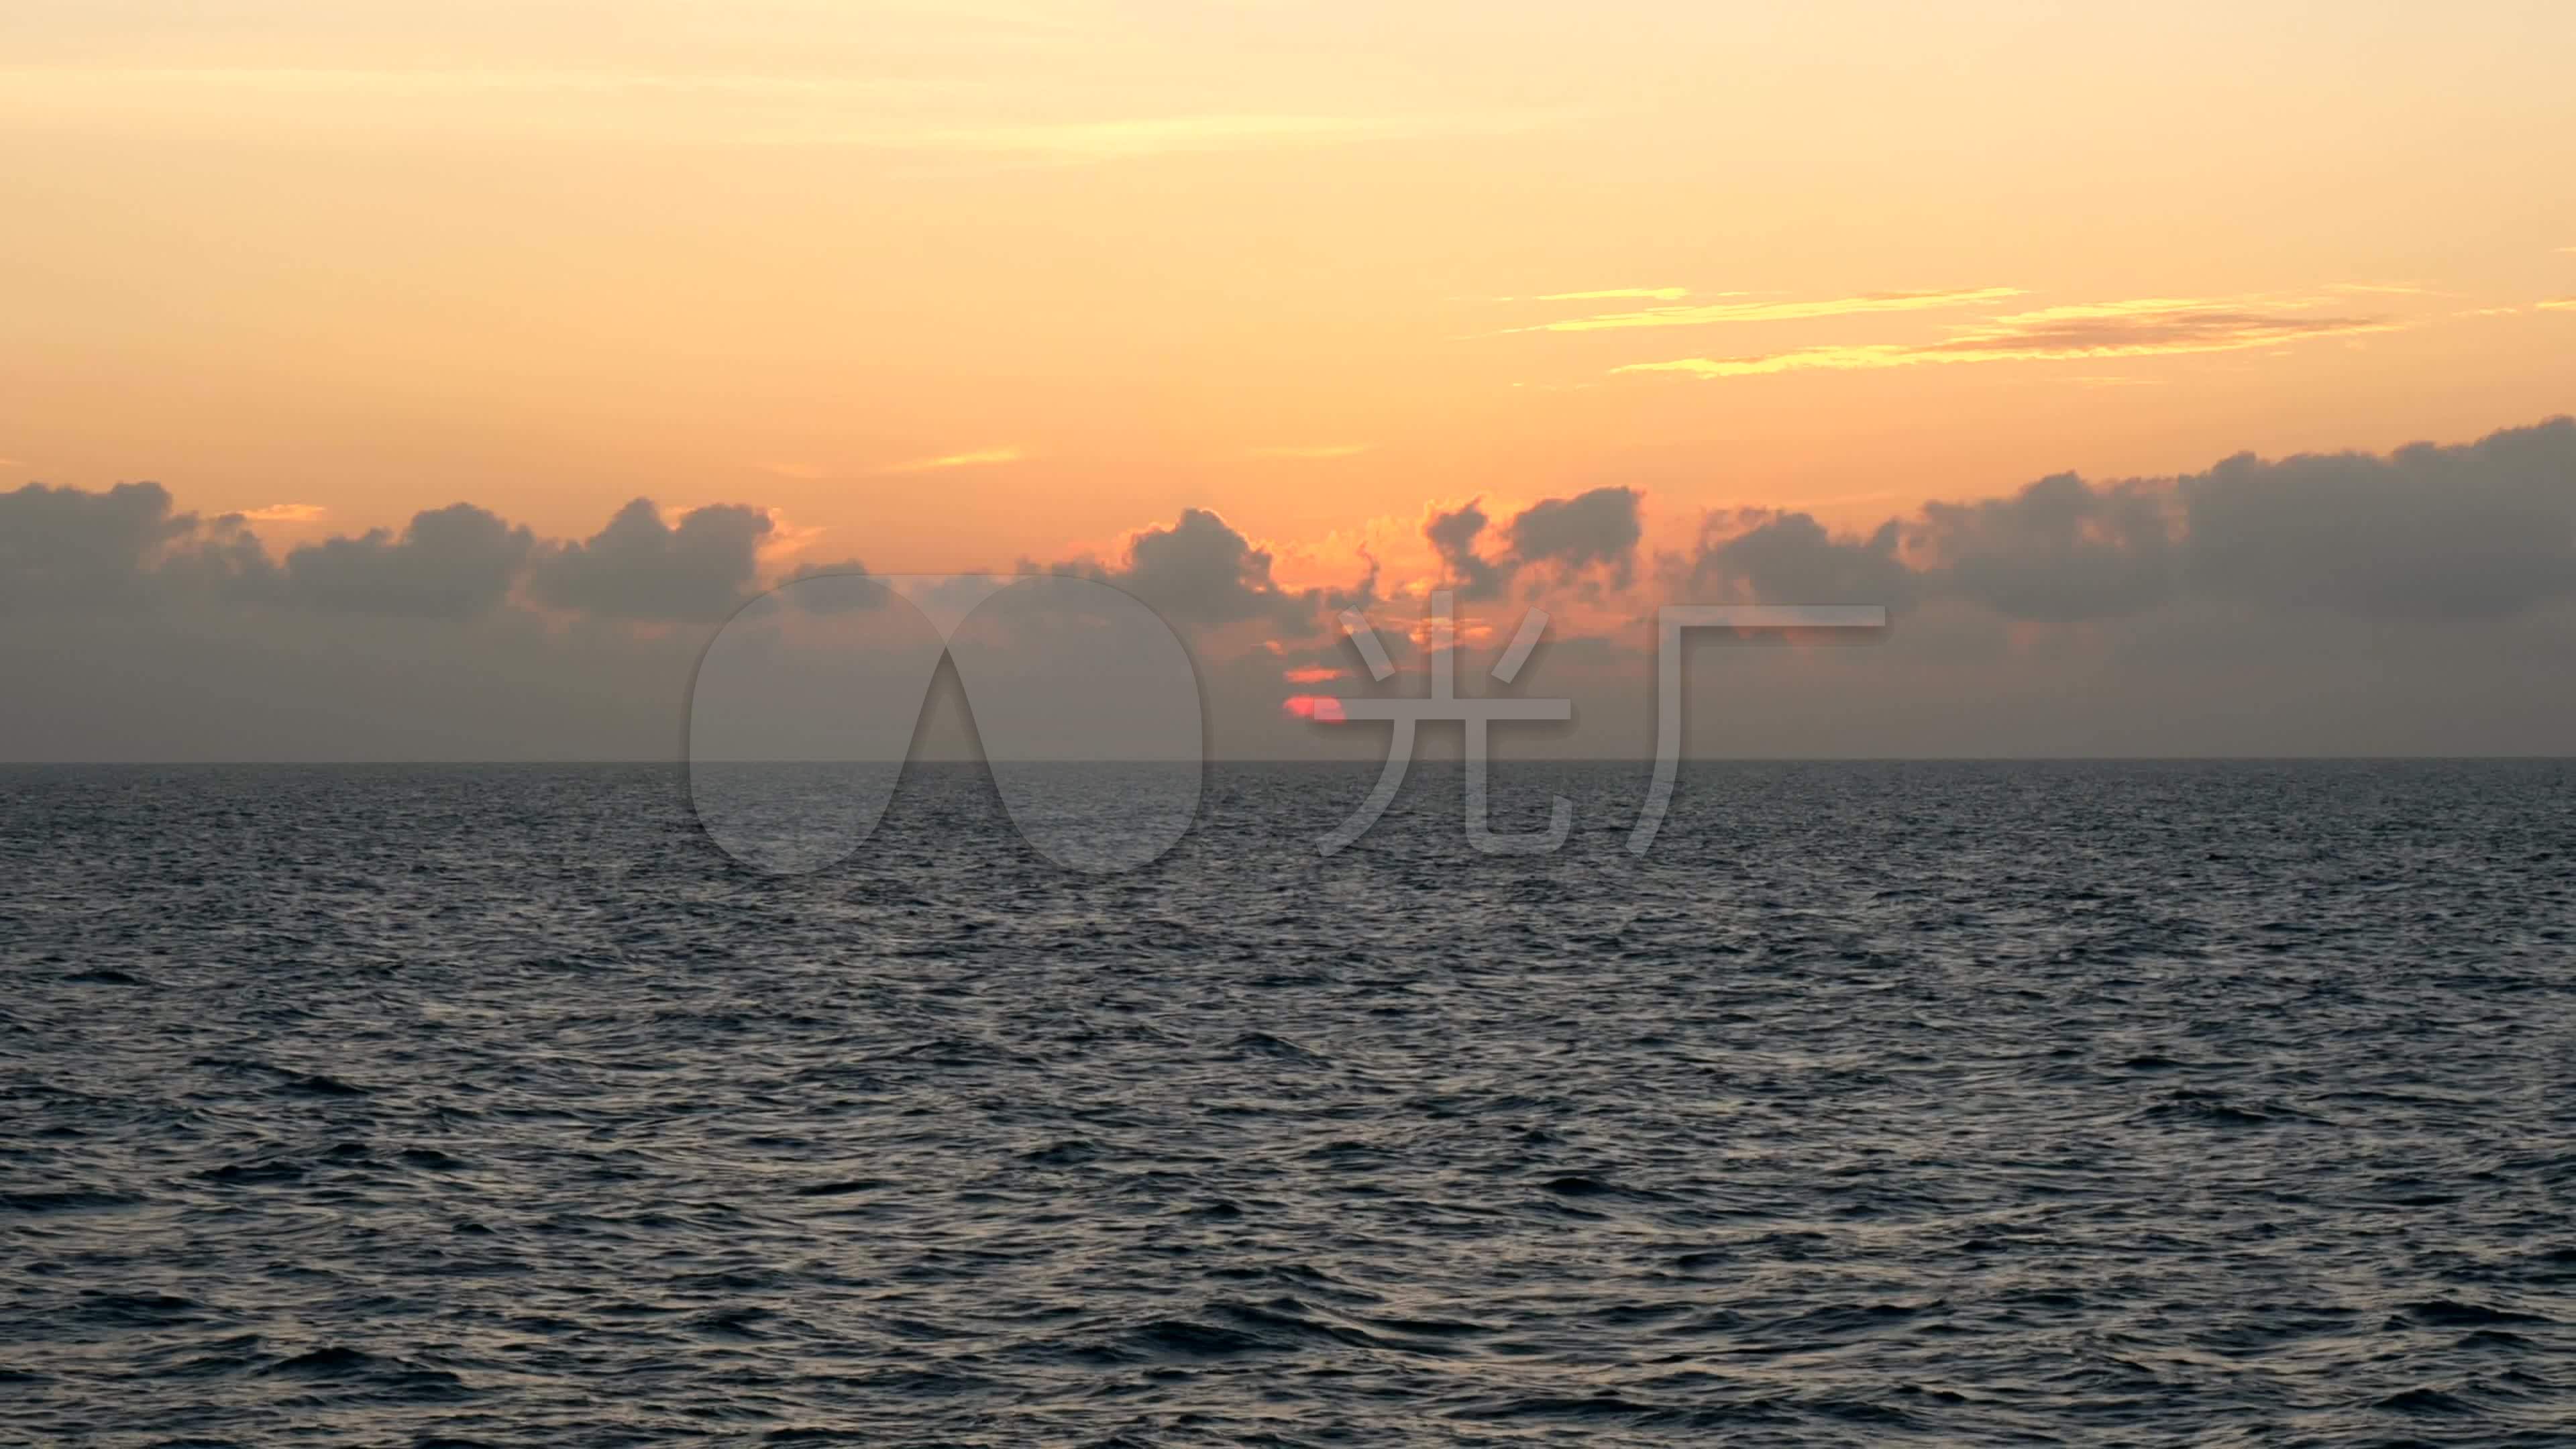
<point x="1313" y="450"/>
<point x="1600" y="528"/>
<point x="2058" y="551"/>
<point x="2478" y="531"/>
<point x="1201" y="571"/>
<point x="1765" y="557"/>
<point x="2152" y="324"/>
<point x="1148" y="136"/>
<point x="448" y="563"/>
<point x="981" y="458"/>
<point x="2145" y="327"/>
<point x="2558" y="304"/>
<point x="219" y="561"/>
<point x="2428" y="533"/>
<point x="839" y="598"/>
<point x="287" y="513"/>
<point x="640" y="568"/>
<point x="1453" y="537"/>
<point x="916" y="115"/>
<point x="66" y="547"/>
<point x="127" y="548"/>
<point x="339" y="81"/>
<point x="1706" y="314"/>
<point x="1614" y="294"/>
<point x="2420" y="600"/>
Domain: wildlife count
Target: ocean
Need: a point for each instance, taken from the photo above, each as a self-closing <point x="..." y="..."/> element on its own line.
<point x="1941" y="1103"/>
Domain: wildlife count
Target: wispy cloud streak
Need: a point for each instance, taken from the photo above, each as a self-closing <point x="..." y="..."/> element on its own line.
<point x="1313" y="451"/>
<point x="1707" y="314"/>
<point x="1616" y="294"/>
<point x="981" y="458"/>
<point x="2137" y="327"/>
<point x="882" y="113"/>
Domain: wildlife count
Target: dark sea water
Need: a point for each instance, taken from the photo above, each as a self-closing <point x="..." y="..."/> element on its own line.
<point x="1879" y="1104"/>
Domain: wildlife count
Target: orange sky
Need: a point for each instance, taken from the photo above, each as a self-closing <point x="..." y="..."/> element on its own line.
<point x="946" y="285"/>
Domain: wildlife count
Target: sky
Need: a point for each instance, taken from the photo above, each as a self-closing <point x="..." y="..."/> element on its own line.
<point x="512" y="346"/>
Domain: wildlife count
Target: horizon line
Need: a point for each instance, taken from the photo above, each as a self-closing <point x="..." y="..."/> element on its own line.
<point x="1356" y="761"/>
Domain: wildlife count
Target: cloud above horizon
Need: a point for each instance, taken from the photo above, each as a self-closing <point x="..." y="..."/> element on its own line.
<point x="2252" y="580"/>
<point x="2426" y="533"/>
<point x="891" y="113"/>
<point x="978" y="458"/>
<point x="641" y="568"/>
<point x="1596" y="531"/>
<point x="2139" y="327"/>
<point x="1312" y="451"/>
<point x="1200" y="571"/>
<point x="1707" y="314"/>
<point x="455" y="562"/>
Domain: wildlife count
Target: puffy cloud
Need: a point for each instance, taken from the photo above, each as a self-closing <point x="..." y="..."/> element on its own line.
<point x="1201" y="571"/>
<point x="64" y="547"/>
<point x="447" y="563"/>
<point x="1600" y="528"/>
<point x="2413" y="601"/>
<point x="2058" y="551"/>
<point x="1453" y="536"/>
<point x="2427" y="532"/>
<point x="2474" y="531"/>
<point x="221" y="560"/>
<point x="69" y="548"/>
<point x="1757" y="556"/>
<point x="841" y="598"/>
<point x="641" y="568"/>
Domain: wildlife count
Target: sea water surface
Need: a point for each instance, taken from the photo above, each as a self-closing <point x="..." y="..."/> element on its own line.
<point x="1878" y="1104"/>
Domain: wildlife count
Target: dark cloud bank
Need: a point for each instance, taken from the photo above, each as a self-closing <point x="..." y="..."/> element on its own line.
<point x="2427" y="533"/>
<point x="2422" y="601"/>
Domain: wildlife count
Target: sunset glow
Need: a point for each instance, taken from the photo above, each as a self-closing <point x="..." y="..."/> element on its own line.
<point x="1281" y="307"/>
